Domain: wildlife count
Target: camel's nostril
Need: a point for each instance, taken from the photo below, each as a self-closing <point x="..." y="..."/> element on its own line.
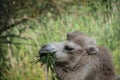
<point x="44" y="49"/>
<point x="44" y="46"/>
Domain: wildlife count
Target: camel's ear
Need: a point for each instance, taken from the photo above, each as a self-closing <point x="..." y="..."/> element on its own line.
<point x="91" y="50"/>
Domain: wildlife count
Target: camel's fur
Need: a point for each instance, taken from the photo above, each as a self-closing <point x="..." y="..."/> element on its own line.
<point x="81" y="63"/>
<point x="90" y="67"/>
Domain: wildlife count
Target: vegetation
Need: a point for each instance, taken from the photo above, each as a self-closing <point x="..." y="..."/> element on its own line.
<point x="26" y="25"/>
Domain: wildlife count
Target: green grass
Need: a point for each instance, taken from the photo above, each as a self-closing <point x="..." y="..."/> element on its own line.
<point x="96" y="24"/>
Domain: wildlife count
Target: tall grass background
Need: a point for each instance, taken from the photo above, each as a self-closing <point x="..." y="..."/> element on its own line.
<point x="100" y="23"/>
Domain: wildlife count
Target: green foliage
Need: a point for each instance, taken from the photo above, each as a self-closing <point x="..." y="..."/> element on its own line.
<point x="98" y="20"/>
<point x="49" y="61"/>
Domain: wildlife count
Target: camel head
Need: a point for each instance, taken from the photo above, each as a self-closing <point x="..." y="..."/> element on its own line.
<point x="69" y="52"/>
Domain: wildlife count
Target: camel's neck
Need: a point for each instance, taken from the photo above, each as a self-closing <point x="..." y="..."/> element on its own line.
<point x="82" y="74"/>
<point x="86" y="70"/>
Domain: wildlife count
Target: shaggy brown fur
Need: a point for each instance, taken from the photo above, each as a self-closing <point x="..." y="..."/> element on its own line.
<point x="90" y="67"/>
<point x="79" y="58"/>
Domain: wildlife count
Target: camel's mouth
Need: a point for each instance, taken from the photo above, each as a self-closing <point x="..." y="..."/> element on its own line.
<point x="46" y="50"/>
<point x="47" y="55"/>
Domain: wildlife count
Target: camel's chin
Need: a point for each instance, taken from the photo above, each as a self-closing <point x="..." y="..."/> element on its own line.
<point x="61" y="63"/>
<point x="60" y="60"/>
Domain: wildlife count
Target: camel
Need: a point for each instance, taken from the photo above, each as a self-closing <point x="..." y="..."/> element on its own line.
<point x="80" y="58"/>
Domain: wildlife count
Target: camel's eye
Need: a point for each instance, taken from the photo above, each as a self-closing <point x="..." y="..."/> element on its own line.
<point x="68" y="48"/>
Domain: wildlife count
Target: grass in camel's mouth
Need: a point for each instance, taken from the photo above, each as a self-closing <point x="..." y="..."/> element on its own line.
<point x="47" y="59"/>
